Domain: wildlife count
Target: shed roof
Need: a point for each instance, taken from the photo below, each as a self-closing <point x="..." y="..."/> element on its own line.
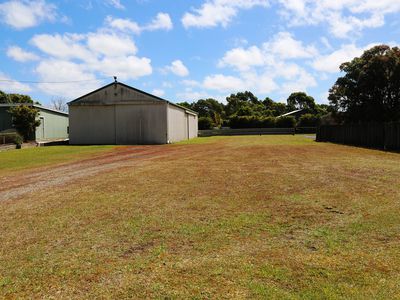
<point x="82" y="99"/>
<point x="36" y="106"/>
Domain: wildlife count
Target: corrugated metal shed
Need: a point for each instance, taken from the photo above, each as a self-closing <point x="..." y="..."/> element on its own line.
<point x="120" y="114"/>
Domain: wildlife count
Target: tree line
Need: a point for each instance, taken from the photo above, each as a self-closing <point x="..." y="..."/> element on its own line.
<point x="245" y="110"/>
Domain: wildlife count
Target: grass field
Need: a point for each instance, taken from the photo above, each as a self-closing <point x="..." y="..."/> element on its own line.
<point x="11" y="161"/>
<point x="268" y="217"/>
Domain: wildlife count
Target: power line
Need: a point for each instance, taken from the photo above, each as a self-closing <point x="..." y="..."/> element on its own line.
<point x="53" y="82"/>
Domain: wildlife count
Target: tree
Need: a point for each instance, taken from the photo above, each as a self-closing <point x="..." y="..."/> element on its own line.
<point x="237" y="101"/>
<point x="205" y="123"/>
<point x="59" y="103"/>
<point x="370" y="88"/>
<point x="25" y="120"/>
<point x="4" y="98"/>
<point x="210" y="108"/>
<point x="301" y="100"/>
<point x="18" y="98"/>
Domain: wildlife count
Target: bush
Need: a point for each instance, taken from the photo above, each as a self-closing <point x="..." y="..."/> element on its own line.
<point x="268" y="122"/>
<point x="18" y="140"/>
<point x="205" y="123"/>
<point x="308" y="120"/>
<point x="286" y="122"/>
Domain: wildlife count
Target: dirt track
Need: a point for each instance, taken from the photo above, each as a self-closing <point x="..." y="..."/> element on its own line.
<point x="38" y="179"/>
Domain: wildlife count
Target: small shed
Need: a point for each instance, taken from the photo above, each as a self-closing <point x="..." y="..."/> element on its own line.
<point x="122" y="115"/>
<point x="53" y="123"/>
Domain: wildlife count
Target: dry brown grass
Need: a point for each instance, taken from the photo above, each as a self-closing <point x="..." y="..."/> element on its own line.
<point x="228" y="217"/>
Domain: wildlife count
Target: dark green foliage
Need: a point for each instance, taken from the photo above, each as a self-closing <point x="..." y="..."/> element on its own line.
<point x="18" y="139"/>
<point x="301" y="100"/>
<point x="286" y="122"/>
<point x="370" y="89"/>
<point x="308" y="120"/>
<point x="4" y="98"/>
<point x="25" y="120"/>
<point x="205" y="123"/>
<point x="17" y="98"/>
<point x="252" y="122"/>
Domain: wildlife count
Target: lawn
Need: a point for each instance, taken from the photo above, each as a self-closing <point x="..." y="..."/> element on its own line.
<point x="23" y="159"/>
<point x="267" y="217"/>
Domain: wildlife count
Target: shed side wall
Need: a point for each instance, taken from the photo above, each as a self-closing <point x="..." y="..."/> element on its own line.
<point x="92" y="125"/>
<point x="193" y="126"/>
<point x="177" y="124"/>
<point x="54" y="126"/>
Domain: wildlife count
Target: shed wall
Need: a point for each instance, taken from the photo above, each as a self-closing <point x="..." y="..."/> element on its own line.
<point x="177" y="124"/>
<point x="193" y="126"/>
<point x="53" y="126"/>
<point x="92" y="125"/>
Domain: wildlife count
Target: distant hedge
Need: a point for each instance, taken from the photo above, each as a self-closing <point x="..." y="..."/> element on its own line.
<point x="237" y="122"/>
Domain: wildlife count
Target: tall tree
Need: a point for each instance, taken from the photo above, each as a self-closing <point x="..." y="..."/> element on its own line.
<point x="18" y="98"/>
<point x="301" y="100"/>
<point x="370" y="88"/>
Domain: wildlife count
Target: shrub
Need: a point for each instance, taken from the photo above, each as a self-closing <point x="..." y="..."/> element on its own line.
<point x="286" y="122"/>
<point x="308" y="120"/>
<point x="18" y="140"/>
<point x="268" y="122"/>
<point x="205" y="123"/>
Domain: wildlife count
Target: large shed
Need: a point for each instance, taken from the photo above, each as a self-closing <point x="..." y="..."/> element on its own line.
<point x="123" y="115"/>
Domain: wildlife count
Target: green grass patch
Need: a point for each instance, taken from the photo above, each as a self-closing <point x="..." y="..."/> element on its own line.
<point x="15" y="160"/>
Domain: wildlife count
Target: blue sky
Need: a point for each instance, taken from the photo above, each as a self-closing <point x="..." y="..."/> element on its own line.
<point x="186" y="50"/>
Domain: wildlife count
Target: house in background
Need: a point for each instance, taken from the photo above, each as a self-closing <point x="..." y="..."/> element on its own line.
<point x="53" y="123"/>
<point x="122" y="115"/>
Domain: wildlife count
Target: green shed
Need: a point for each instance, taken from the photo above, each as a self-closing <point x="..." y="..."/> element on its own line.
<point x="53" y="123"/>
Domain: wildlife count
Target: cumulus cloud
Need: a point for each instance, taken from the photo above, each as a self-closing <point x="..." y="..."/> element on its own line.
<point x="20" y="54"/>
<point x="162" y="21"/>
<point x="331" y="62"/>
<point x="343" y="17"/>
<point x="259" y="68"/>
<point x="218" y="12"/>
<point x="21" y="14"/>
<point x="178" y="68"/>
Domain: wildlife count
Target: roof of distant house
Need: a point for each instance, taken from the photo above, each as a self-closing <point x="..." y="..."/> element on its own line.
<point x="36" y="106"/>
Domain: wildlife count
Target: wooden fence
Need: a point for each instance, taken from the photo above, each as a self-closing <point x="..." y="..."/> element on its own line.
<point x="373" y="135"/>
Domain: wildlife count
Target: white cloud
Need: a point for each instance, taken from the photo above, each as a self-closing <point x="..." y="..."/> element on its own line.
<point x="115" y="3"/>
<point x="178" y="68"/>
<point x="158" y="92"/>
<point x="343" y="17"/>
<point x="123" y="25"/>
<point x="21" y="14"/>
<point x="55" y="70"/>
<point x="218" y="12"/>
<point x="285" y="46"/>
<point x="161" y="22"/>
<point x="224" y="83"/>
<point x="20" y="54"/>
<point x="110" y="44"/>
<point x="75" y="57"/>
<point x="11" y="86"/>
<point x="259" y="69"/>
<point x="243" y="59"/>
<point x="330" y="63"/>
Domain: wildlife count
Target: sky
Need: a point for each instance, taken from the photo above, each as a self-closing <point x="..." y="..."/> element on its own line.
<point x="185" y="50"/>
